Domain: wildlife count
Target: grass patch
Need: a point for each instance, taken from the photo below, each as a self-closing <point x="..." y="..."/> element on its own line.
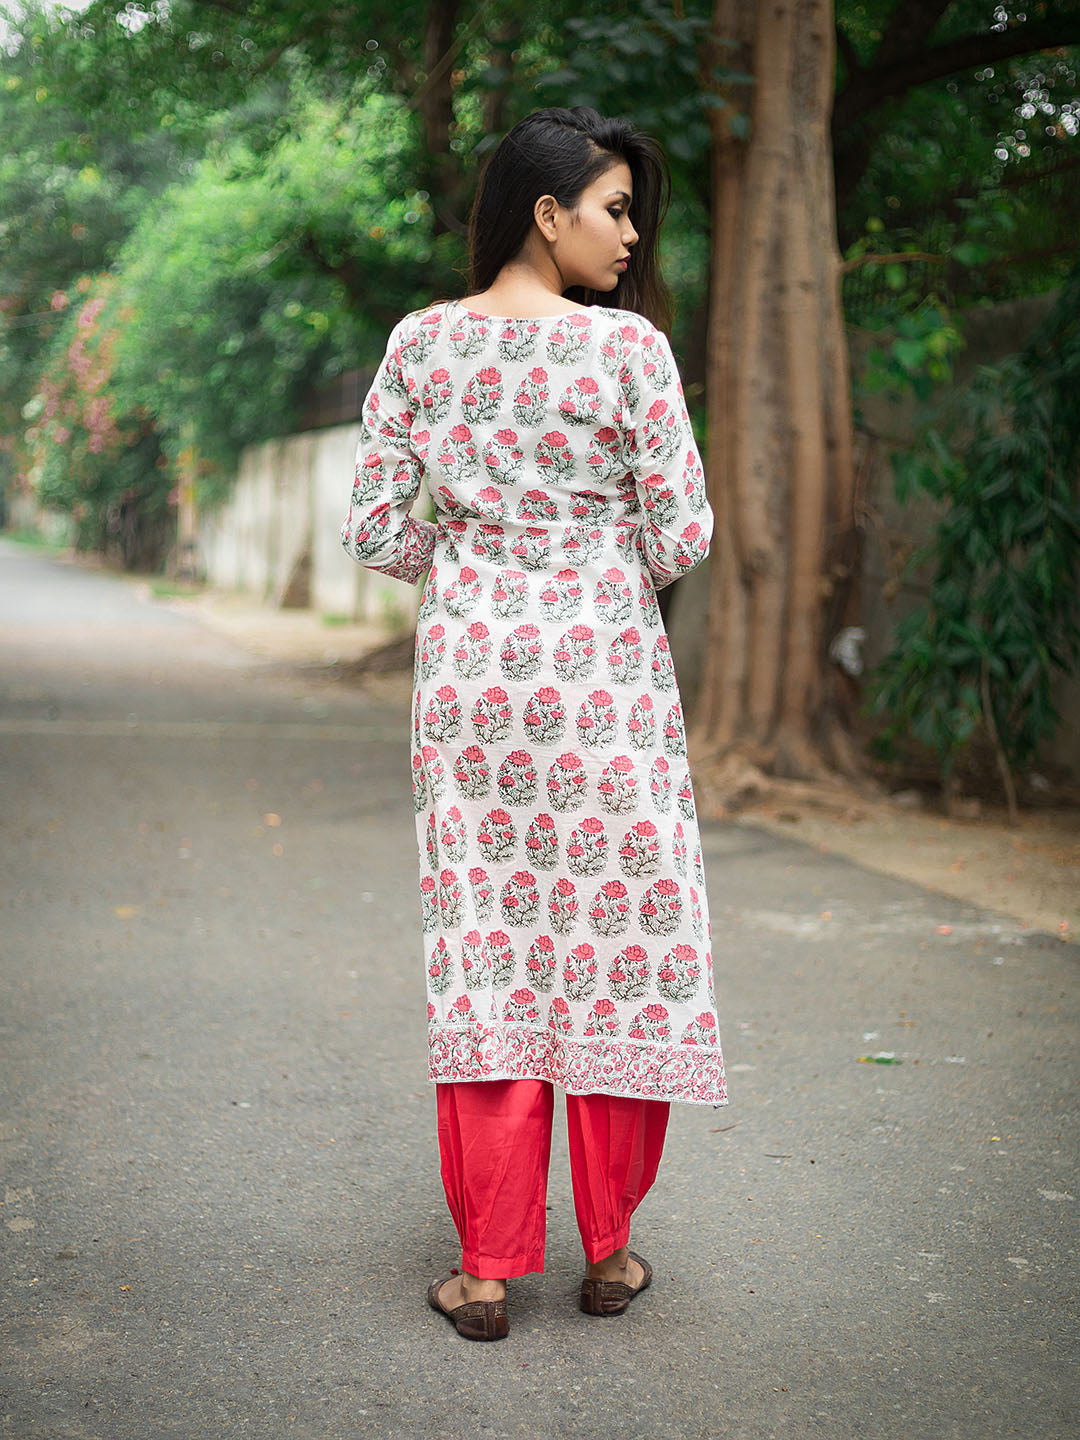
<point x="170" y="589"/>
<point x="33" y="541"/>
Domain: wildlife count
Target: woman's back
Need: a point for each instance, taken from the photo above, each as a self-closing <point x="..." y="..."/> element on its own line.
<point x="563" y="899"/>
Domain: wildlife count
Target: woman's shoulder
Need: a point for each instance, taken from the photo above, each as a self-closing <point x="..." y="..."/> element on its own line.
<point x="627" y="330"/>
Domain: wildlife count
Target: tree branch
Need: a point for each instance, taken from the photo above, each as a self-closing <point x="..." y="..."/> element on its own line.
<point x="907" y="30"/>
<point x="919" y="66"/>
<point x="847" y="53"/>
<point x="846" y="266"/>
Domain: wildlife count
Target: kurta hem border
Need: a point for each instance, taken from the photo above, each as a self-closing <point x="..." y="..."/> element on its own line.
<point x="688" y="1074"/>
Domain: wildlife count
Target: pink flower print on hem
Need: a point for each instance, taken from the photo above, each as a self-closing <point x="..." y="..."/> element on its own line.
<point x="579" y="973"/>
<point x="461" y="1012"/>
<point x="540" y="963"/>
<point x="652" y="1023"/>
<point x="679" y="975"/>
<point x="700" y="1031"/>
<point x="559" y="1016"/>
<point x="629" y="976"/>
<point x="603" y="1019"/>
<point x="521" y="1008"/>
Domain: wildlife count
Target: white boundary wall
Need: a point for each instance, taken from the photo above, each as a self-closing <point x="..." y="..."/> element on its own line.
<point x="291" y="496"/>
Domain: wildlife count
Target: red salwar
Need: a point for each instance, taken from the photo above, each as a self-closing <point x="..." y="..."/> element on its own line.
<point x="495" y="1145"/>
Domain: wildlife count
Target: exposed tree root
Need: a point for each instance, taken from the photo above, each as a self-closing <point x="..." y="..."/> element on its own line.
<point x="735" y="779"/>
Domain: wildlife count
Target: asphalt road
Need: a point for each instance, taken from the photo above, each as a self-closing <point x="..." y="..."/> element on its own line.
<point x="221" y="1201"/>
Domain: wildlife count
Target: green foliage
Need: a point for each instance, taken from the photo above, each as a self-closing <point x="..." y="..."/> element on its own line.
<point x="1003" y="612"/>
<point x="976" y="169"/>
<point x="261" y="276"/>
<point x="916" y="355"/>
<point x="267" y="274"/>
<point x="604" y="64"/>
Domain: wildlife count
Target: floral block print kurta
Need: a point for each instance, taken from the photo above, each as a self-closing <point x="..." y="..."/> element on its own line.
<point x="562" y="890"/>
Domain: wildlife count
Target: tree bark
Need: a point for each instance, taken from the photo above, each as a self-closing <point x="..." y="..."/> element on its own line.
<point x="435" y="102"/>
<point x="780" y="450"/>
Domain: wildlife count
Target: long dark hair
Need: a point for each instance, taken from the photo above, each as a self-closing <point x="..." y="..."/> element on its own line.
<point x="561" y="152"/>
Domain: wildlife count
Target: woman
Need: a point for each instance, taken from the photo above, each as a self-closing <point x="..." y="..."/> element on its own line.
<point x="562" y="888"/>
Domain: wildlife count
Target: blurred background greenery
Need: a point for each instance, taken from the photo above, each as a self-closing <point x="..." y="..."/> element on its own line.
<point x="209" y="211"/>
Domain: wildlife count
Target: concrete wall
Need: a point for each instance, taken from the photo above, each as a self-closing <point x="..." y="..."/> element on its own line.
<point x="286" y="509"/>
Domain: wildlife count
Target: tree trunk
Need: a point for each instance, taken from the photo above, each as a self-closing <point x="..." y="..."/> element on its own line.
<point x="780" y="447"/>
<point x="435" y="101"/>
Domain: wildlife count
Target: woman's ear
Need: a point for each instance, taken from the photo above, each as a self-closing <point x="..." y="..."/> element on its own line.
<point x="544" y="215"/>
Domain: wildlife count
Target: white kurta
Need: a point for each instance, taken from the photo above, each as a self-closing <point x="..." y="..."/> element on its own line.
<point x="562" y="888"/>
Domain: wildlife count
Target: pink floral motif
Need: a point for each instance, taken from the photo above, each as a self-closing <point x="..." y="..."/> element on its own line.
<point x="603" y="1019"/>
<point x="631" y="973"/>
<point x="579" y="973"/>
<point x="610" y="911"/>
<point x="567" y="783"/>
<point x="540" y="963"/>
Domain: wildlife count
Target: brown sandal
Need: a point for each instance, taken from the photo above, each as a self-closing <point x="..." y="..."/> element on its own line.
<point x="611" y="1297"/>
<point x="476" y="1319"/>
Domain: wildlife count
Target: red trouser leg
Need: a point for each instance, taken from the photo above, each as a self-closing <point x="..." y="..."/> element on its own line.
<point x="615" y="1148"/>
<point x="495" y="1145"/>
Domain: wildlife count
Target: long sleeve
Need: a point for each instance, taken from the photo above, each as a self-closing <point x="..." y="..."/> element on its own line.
<point x="669" y="478"/>
<point x="378" y="531"/>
